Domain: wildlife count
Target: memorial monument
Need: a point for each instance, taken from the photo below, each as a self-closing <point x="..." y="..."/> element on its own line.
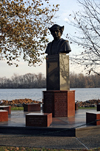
<point x="58" y="99"/>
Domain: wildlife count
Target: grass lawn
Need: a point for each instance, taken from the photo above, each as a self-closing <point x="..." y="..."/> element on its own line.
<point x="22" y="108"/>
<point x="17" y="108"/>
<point x="87" y="108"/>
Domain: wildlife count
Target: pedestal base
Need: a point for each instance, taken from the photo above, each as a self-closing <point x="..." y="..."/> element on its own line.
<point x="93" y="118"/>
<point x="31" y="107"/>
<point x="3" y="115"/>
<point x="8" y="108"/>
<point x="38" y="119"/>
<point x="59" y="103"/>
<point x="98" y="107"/>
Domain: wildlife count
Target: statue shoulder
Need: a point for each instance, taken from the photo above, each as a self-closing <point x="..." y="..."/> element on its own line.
<point x="48" y="49"/>
<point x="65" y="47"/>
<point x="64" y="40"/>
<point x="49" y="44"/>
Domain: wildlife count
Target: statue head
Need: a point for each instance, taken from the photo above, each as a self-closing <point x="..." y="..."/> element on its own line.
<point x="56" y="31"/>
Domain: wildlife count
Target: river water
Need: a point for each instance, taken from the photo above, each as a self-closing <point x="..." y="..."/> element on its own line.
<point x="81" y="94"/>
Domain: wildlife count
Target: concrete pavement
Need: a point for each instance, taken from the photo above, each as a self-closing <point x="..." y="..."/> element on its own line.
<point x="88" y="141"/>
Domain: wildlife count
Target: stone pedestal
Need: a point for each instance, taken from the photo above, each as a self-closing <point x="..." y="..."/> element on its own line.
<point x="39" y="119"/>
<point x="93" y="118"/>
<point x="3" y="115"/>
<point x="57" y="70"/>
<point x="31" y="107"/>
<point x="59" y="103"/>
<point x="58" y="99"/>
<point x="8" y="108"/>
<point x="98" y="107"/>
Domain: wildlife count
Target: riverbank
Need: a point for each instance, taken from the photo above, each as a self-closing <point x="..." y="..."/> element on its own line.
<point x="89" y="103"/>
<point x="21" y="102"/>
<point x="18" y="102"/>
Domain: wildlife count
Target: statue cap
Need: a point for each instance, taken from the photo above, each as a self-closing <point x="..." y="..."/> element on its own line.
<point x="56" y="26"/>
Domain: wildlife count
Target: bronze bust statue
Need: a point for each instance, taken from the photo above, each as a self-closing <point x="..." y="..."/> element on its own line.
<point x="58" y="45"/>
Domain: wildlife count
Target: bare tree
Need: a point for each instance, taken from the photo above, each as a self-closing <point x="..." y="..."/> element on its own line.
<point x="87" y="35"/>
<point x="28" y="80"/>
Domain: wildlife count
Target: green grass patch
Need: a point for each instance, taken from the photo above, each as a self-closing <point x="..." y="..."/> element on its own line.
<point x="22" y="108"/>
<point x="87" y="108"/>
<point x="17" y="108"/>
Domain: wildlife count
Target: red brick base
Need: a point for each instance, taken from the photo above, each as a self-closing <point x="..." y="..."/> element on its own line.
<point x="91" y="118"/>
<point x="3" y="115"/>
<point x="39" y="119"/>
<point x="8" y="108"/>
<point x="31" y="107"/>
<point x="59" y="103"/>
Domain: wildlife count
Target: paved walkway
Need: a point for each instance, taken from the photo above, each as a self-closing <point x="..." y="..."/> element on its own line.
<point x="15" y="133"/>
<point x="87" y="141"/>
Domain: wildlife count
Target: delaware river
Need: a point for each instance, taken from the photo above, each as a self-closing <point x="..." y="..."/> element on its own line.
<point x="81" y="94"/>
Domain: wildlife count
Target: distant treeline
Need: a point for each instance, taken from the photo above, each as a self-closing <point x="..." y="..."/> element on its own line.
<point x="39" y="81"/>
<point x="24" y="81"/>
<point x="81" y="81"/>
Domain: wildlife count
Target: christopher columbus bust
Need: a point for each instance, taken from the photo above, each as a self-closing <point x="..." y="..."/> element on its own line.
<point x="58" y="45"/>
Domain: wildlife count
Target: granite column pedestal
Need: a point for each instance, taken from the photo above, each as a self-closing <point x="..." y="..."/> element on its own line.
<point x="57" y="72"/>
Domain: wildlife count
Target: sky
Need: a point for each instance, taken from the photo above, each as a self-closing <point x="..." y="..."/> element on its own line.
<point x="66" y="7"/>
